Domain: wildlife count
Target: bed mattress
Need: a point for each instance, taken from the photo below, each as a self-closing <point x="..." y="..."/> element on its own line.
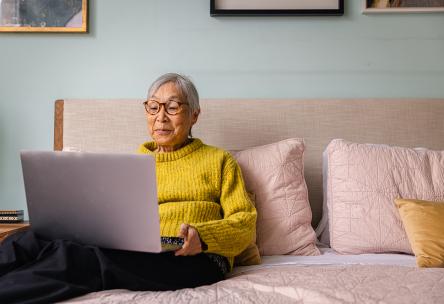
<point x="328" y="278"/>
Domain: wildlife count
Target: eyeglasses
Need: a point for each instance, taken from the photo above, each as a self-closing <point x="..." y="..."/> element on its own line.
<point x="172" y="107"/>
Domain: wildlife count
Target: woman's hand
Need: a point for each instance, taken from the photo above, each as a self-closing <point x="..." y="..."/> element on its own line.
<point x="192" y="244"/>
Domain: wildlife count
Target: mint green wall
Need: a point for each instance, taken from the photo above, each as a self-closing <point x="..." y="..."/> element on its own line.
<point x="132" y="42"/>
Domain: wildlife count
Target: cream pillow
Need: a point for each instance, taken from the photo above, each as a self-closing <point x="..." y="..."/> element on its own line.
<point x="275" y="174"/>
<point x="362" y="182"/>
<point x="424" y="224"/>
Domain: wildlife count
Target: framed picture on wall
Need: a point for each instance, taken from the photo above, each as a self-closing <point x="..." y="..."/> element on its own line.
<point x="276" y="7"/>
<point x="44" y="16"/>
<point x="403" y="6"/>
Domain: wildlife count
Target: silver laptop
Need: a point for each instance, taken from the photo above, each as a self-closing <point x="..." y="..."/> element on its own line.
<point x="103" y="199"/>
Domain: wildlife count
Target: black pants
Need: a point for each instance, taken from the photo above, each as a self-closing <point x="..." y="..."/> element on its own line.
<point x="33" y="270"/>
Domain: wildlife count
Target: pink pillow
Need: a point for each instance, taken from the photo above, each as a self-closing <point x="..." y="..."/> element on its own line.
<point x="363" y="180"/>
<point x="275" y="174"/>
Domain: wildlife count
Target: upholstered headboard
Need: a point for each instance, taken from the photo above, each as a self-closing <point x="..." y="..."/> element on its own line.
<point x="120" y="126"/>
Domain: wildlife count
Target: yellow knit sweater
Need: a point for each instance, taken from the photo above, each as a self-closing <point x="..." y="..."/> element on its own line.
<point x="202" y="186"/>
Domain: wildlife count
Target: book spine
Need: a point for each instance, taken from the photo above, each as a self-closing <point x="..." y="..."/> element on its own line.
<point x="11" y="212"/>
<point x="11" y="218"/>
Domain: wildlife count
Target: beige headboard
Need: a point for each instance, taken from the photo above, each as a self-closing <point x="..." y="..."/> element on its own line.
<point x="119" y="125"/>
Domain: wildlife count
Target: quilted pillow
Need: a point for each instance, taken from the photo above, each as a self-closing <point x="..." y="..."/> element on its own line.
<point x="362" y="182"/>
<point x="275" y="174"/>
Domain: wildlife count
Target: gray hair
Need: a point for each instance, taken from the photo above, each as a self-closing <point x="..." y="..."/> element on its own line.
<point x="183" y="84"/>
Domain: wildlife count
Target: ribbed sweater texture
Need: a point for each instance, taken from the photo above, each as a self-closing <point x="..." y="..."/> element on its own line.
<point x="202" y="186"/>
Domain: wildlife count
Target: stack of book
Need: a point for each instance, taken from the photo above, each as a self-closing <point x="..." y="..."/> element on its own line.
<point x="11" y="216"/>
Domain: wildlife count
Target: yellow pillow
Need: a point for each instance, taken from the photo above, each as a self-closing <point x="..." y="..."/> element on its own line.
<point x="424" y="223"/>
<point x="250" y="256"/>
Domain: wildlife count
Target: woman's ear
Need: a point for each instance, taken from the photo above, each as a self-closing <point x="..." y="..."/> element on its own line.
<point x="195" y="116"/>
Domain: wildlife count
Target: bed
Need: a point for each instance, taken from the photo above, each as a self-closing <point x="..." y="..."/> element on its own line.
<point x="284" y="276"/>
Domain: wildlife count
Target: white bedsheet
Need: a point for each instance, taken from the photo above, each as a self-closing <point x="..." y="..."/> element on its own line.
<point x="330" y="257"/>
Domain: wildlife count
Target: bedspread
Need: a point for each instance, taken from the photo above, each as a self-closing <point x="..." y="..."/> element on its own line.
<point x="301" y="284"/>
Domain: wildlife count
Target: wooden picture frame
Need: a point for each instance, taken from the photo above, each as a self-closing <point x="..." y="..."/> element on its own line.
<point x="397" y="6"/>
<point x="276" y="8"/>
<point x="44" y="16"/>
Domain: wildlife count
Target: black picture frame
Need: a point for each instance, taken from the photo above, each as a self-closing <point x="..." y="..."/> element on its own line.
<point x="214" y="12"/>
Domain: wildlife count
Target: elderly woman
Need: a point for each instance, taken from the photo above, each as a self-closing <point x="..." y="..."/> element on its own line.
<point x="202" y="198"/>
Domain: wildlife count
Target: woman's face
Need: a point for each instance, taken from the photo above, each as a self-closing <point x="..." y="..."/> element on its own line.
<point x="170" y="132"/>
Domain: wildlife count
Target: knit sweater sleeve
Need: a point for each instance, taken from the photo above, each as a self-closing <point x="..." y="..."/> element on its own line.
<point x="232" y="234"/>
